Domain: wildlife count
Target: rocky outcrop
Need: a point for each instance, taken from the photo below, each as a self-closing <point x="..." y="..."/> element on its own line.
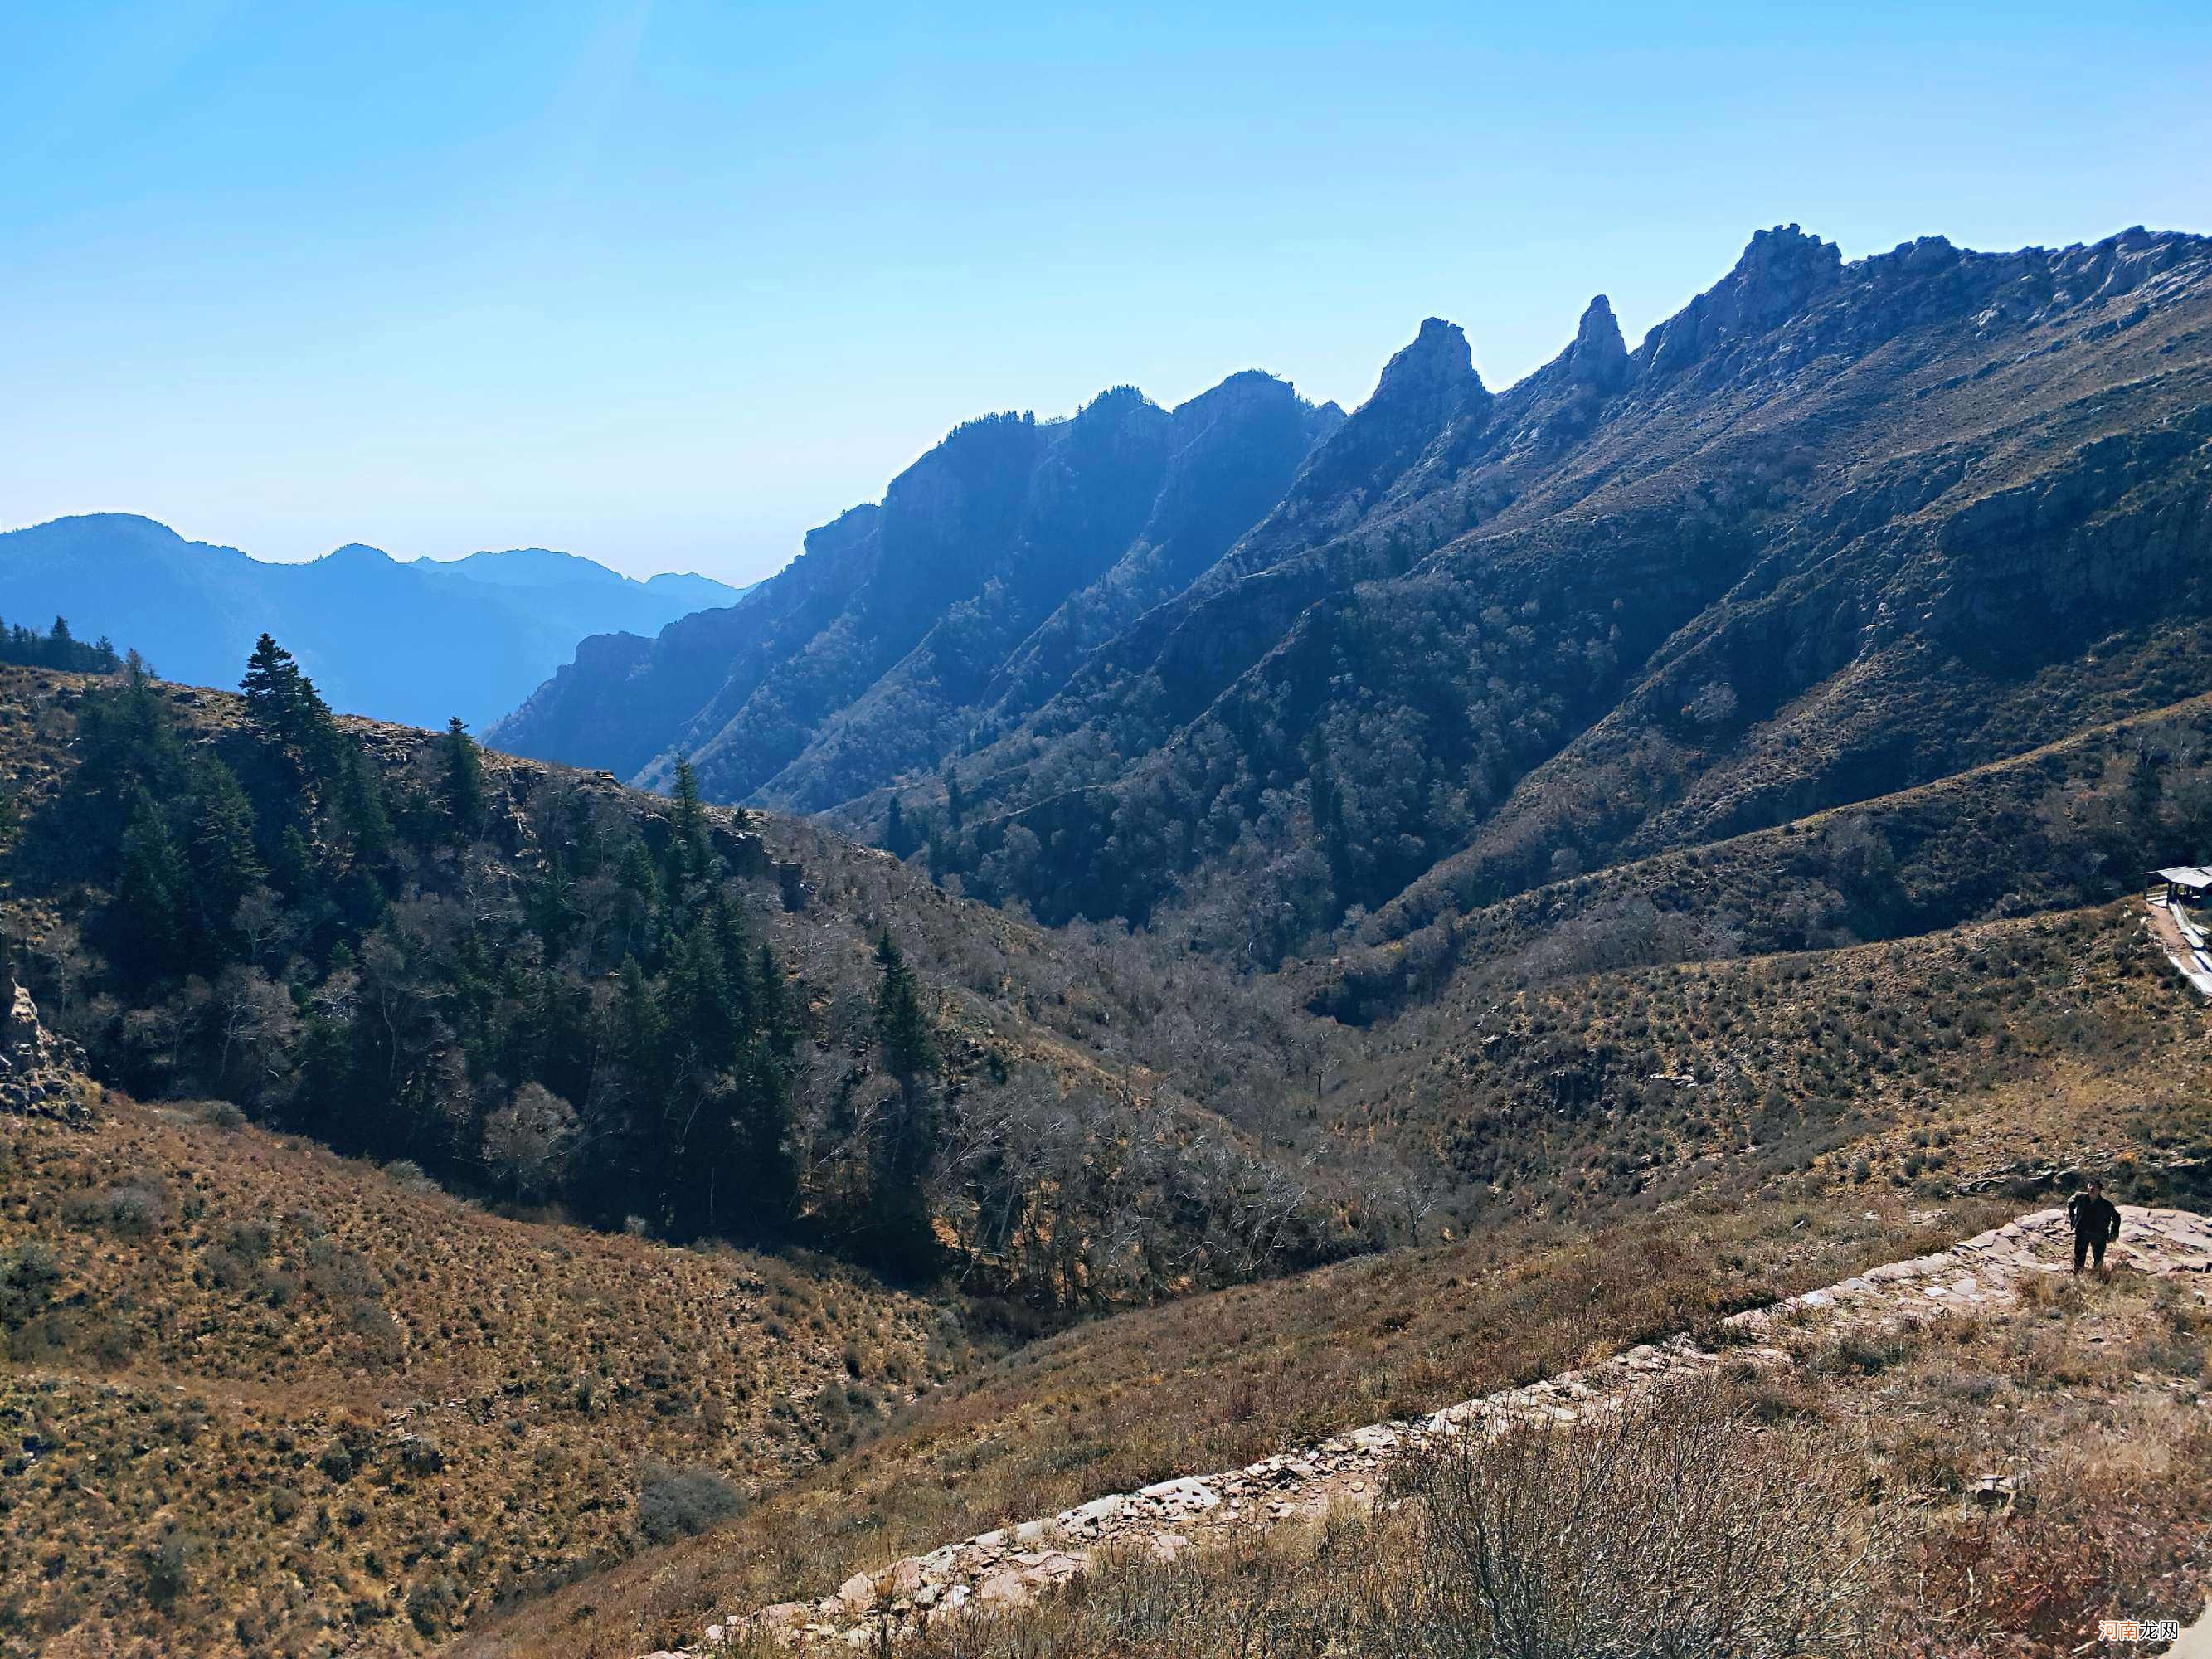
<point x="41" y="1075"/>
<point x="1599" y="357"/>
<point x="1009" y="1566"/>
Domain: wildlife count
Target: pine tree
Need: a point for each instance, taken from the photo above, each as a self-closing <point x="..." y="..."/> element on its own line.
<point x="2145" y="789"/>
<point x="149" y="894"/>
<point x="898" y="839"/>
<point x="464" y="785"/>
<point x="223" y="862"/>
<point x="691" y="858"/>
<point x="903" y="1145"/>
<point x="772" y="1015"/>
<point x="362" y="811"/>
<point x="279" y="699"/>
<point x="902" y="1030"/>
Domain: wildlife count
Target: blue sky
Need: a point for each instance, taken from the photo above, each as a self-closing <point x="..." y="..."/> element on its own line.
<point x="666" y="281"/>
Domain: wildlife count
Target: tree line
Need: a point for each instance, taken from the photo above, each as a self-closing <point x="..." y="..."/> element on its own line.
<point x="56" y="647"/>
<point x="519" y="982"/>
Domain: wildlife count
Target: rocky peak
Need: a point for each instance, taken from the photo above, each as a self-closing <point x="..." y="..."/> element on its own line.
<point x="1599" y="357"/>
<point x="1437" y="369"/>
<point x="1783" y="271"/>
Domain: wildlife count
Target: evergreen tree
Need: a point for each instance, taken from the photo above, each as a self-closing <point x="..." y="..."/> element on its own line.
<point x="224" y="864"/>
<point x="690" y="856"/>
<point x="902" y="1030"/>
<point x="464" y="785"/>
<point x="757" y="1145"/>
<point x="898" y="839"/>
<point x="362" y="812"/>
<point x="150" y="937"/>
<point x="903" y="1145"/>
<point x="772" y="1016"/>
<point x="281" y="701"/>
<point x="2145" y="789"/>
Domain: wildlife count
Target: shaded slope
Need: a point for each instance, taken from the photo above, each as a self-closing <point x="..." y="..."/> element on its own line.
<point x="993" y="564"/>
<point x="1974" y="482"/>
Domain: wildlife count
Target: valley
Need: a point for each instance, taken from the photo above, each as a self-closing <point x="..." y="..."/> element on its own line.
<point x="1179" y="936"/>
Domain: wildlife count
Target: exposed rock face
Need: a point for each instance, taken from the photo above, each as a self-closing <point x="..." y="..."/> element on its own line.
<point x="1600" y="355"/>
<point x="1780" y="274"/>
<point x="1009" y="1566"/>
<point x="41" y="1074"/>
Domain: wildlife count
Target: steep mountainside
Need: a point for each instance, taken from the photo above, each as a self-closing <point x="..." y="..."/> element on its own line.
<point x="541" y="987"/>
<point x="416" y="642"/>
<point x="1831" y="531"/>
<point x="951" y="609"/>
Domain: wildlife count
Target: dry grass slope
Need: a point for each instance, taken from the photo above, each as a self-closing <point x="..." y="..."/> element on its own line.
<point x="1220" y="1380"/>
<point x="261" y="1400"/>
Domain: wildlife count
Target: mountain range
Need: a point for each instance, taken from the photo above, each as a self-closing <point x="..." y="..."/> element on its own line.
<point x="1655" y="840"/>
<point x="1834" y="529"/>
<point x="416" y="641"/>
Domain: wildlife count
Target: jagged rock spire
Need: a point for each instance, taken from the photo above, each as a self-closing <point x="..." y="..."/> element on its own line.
<point x="1600" y="355"/>
<point x="1438" y="365"/>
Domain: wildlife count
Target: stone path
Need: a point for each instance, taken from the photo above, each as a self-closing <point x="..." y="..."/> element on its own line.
<point x="1006" y="1567"/>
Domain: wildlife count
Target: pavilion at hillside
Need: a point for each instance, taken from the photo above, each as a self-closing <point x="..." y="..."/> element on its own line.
<point x="2183" y="883"/>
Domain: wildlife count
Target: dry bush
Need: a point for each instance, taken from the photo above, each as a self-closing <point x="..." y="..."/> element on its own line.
<point x="2105" y="1530"/>
<point x="1676" y="1531"/>
<point x="1679" y="1528"/>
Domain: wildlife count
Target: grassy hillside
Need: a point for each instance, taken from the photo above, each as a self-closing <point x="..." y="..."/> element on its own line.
<point x="1835" y="1509"/>
<point x="1648" y="1148"/>
<point x="1218" y="1380"/>
<point x="1978" y="1053"/>
<point x="262" y="1399"/>
<point x="2070" y="823"/>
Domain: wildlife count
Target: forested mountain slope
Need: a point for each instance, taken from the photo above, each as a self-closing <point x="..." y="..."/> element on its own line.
<point x="541" y="987"/>
<point x="968" y="596"/>
<point x="1833" y="531"/>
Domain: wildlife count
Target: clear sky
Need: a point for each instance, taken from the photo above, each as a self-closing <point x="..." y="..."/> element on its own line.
<point x="666" y="281"/>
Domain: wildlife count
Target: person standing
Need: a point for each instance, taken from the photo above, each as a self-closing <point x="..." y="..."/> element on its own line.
<point x="2096" y="1221"/>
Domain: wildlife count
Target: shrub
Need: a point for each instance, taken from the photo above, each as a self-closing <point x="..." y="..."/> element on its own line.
<point x="28" y="1273"/>
<point x="430" y="1604"/>
<point x="166" y="1564"/>
<point x="1674" y="1526"/>
<point x="674" y="1503"/>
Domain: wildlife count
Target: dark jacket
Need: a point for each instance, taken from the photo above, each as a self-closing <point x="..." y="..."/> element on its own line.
<point x="2096" y="1218"/>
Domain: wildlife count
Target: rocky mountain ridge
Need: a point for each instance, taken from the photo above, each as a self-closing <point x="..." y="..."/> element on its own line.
<point x="1836" y="529"/>
<point x="962" y="600"/>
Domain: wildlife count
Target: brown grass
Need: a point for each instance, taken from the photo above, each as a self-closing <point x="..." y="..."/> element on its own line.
<point x="1821" y="1511"/>
<point x="1217" y="1381"/>
<point x="278" y="1402"/>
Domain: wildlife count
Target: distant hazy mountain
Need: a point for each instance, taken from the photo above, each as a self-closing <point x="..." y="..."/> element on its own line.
<point x="415" y="641"/>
